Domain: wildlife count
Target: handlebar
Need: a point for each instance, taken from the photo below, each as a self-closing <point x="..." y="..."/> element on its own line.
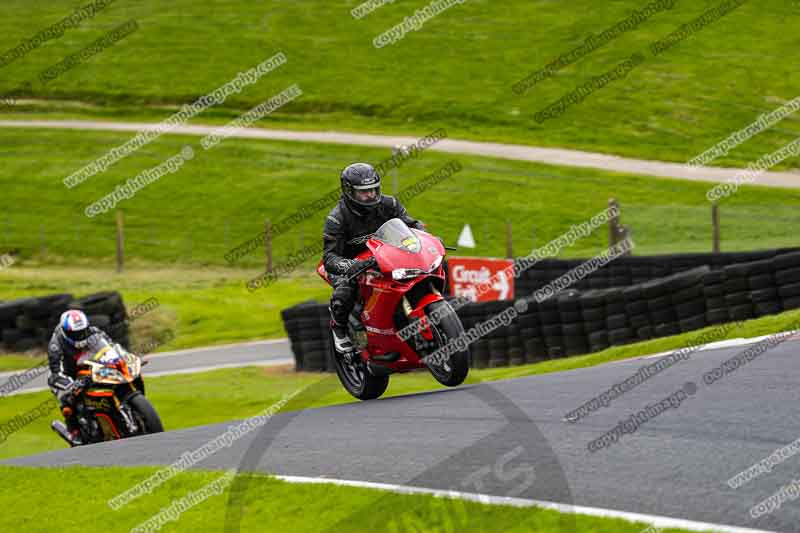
<point x="368" y="263"/>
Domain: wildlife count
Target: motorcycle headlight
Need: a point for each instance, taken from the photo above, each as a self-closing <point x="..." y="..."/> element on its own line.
<point x="406" y="273"/>
<point x="104" y="374"/>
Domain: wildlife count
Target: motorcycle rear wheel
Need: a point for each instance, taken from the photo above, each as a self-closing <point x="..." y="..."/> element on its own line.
<point x="355" y="377"/>
<point x="452" y="372"/>
<point x="146" y="415"/>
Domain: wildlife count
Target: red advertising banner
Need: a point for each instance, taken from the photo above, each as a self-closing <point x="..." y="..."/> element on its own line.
<point x="466" y="273"/>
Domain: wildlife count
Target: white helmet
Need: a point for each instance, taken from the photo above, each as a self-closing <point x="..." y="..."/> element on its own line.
<point x="74" y="328"/>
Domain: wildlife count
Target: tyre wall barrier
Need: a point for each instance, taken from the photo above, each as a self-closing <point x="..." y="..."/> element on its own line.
<point x="308" y="327"/>
<point x="27" y="323"/>
<point x="575" y="321"/>
<point x="631" y="270"/>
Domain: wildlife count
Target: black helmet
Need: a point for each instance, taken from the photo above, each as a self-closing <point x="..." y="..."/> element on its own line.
<point x="361" y="187"/>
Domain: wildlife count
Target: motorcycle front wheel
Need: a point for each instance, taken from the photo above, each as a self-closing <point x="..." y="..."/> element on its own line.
<point x="355" y="377"/>
<point x="146" y="415"/>
<point x="453" y="371"/>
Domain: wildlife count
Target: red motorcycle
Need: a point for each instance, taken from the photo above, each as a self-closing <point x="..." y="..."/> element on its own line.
<point x="399" y="290"/>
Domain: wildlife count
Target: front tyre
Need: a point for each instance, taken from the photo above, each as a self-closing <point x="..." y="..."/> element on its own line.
<point x="451" y="372"/>
<point x="355" y="377"/>
<point x="146" y="415"/>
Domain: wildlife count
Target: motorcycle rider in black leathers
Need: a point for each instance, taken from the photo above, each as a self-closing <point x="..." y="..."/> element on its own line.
<point x="361" y="210"/>
<point x="72" y="335"/>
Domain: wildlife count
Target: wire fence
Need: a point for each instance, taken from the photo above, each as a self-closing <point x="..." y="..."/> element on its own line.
<point x="742" y="227"/>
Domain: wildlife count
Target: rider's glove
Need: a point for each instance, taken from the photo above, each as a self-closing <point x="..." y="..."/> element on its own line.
<point x="344" y="265"/>
<point x="79" y="384"/>
<point x="60" y="382"/>
<point x="65" y="397"/>
<point x="356" y="266"/>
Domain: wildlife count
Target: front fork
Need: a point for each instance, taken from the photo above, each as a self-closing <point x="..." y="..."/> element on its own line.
<point x="125" y="410"/>
<point x="127" y="417"/>
<point x="424" y="329"/>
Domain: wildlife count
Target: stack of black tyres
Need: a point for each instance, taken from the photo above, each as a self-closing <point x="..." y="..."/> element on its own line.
<point x="659" y="306"/>
<point x="659" y="269"/>
<point x="714" y="295"/>
<point x="637" y="311"/>
<point x="479" y="353"/>
<point x="787" y="277"/>
<point x="516" y="350"/>
<point x="550" y="320"/>
<point x="688" y="298"/>
<point x="28" y="323"/>
<point x="14" y="338"/>
<point x="470" y="314"/>
<point x="597" y="279"/>
<point x="307" y="325"/>
<point x="631" y="270"/>
<point x="762" y="287"/>
<point x="619" y="275"/>
<point x="498" y="340"/>
<point x="572" y="325"/>
<point x="737" y="291"/>
<point x="593" y="311"/>
<point x="640" y="270"/>
<point x="531" y="334"/>
<point x="619" y="329"/>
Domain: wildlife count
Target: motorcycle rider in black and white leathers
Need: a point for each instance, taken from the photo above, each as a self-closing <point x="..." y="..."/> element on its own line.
<point x="72" y="335"/>
<point x="361" y="210"/>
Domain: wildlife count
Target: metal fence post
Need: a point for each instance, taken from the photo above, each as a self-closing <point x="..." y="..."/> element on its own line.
<point x="613" y="223"/>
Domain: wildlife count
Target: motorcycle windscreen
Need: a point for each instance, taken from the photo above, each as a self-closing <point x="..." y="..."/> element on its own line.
<point x="394" y="232"/>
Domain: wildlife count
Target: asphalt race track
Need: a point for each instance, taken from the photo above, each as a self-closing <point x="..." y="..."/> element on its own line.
<point x="509" y="438"/>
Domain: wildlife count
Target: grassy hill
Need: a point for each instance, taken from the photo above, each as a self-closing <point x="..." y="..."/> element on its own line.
<point x="222" y="197"/>
<point x="456" y="71"/>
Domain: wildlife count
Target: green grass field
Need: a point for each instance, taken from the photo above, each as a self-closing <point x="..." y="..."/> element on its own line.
<point x="222" y="198"/>
<point x="455" y="72"/>
<point x="267" y="504"/>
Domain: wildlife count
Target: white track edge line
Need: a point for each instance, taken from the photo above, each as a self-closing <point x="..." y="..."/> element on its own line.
<point x="654" y="520"/>
<point x="719" y="345"/>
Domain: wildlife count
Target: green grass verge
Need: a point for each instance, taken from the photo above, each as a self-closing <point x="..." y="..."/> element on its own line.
<point x="268" y="504"/>
<point x="222" y="198"/>
<point x="456" y="71"/>
<point x="189" y="400"/>
<point x="9" y="362"/>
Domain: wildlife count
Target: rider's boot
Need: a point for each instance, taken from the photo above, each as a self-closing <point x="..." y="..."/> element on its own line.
<point x="342" y="342"/>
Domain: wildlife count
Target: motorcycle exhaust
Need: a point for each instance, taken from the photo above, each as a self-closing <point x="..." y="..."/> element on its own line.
<point x="61" y="430"/>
